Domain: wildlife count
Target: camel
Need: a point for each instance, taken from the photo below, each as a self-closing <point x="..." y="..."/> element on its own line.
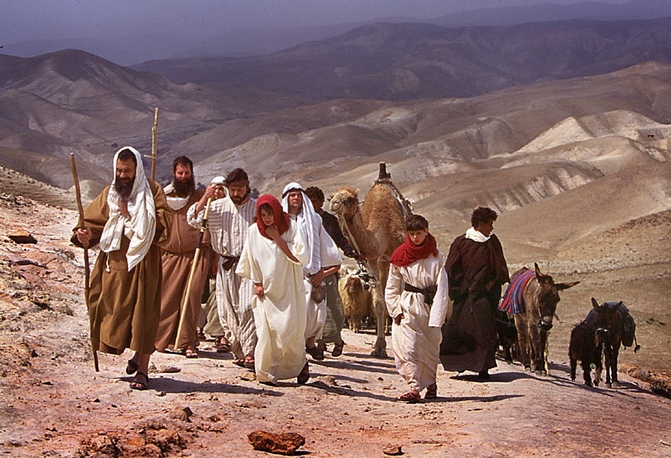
<point x="375" y="231"/>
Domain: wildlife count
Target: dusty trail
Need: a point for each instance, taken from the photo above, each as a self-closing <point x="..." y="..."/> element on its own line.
<point x="54" y="404"/>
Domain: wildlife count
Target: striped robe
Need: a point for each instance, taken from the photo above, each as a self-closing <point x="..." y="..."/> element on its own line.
<point x="228" y="224"/>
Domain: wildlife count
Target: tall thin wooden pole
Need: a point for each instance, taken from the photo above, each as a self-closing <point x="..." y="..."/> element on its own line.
<point x="154" y="143"/>
<point x="87" y="274"/>
<point x="192" y="273"/>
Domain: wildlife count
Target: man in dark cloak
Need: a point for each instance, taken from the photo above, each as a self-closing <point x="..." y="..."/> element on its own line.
<point x="476" y="270"/>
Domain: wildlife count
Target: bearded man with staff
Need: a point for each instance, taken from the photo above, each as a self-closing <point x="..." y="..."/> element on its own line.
<point x="130" y="220"/>
<point x="177" y="258"/>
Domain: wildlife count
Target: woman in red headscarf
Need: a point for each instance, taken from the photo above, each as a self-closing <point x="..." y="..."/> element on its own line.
<point x="273" y="258"/>
<point x="416" y="297"/>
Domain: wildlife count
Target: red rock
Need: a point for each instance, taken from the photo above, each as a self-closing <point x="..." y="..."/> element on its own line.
<point x="283" y="443"/>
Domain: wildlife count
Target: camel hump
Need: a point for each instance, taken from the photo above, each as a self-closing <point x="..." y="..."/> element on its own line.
<point x="384" y="179"/>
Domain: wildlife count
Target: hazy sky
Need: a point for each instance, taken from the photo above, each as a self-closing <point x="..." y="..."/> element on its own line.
<point x="22" y="20"/>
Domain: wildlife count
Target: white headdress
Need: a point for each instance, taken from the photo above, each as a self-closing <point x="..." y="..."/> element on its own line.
<point x="310" y="224"/>
<point x="141" y="226"/>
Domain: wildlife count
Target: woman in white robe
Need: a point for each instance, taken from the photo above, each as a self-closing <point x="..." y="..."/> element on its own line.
<point x="416" y="297"/>
<point x="273" y="258"/>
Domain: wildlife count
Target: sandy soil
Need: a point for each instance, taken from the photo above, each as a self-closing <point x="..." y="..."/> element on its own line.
<point x="55" y="404"/>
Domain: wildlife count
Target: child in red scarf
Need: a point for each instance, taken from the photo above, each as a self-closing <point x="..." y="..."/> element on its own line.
<point x="273" y="258"/>
<point x="416" y="297"/>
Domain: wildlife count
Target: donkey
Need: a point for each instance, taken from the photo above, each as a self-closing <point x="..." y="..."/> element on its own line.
<point x="615" y="327"/>
<point x="586" y="348"/>
<point x="540" y="298"/>
<point x="507" y="336"/>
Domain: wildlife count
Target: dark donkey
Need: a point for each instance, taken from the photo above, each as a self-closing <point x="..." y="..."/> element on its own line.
<point x="614" y="327"/>
<point x="540" y="298"/>
<point x="586" y="348"/>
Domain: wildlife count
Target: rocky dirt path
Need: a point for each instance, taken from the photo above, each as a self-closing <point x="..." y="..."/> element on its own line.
<point x="54" y="404"/>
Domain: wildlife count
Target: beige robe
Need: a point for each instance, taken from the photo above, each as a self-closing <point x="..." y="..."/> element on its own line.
<point x="280" y="315"/>
<point x="124" y="307"/>
<point x="416" y="341"/>
<point x="177" y="260"/>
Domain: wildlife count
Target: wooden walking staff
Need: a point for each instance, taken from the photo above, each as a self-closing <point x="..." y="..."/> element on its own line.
<point x="154" y="143"/>
<point x="80" y="225"/>
<point x="192" y="273"/>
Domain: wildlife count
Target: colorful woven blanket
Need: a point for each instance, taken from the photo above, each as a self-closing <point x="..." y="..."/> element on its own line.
<point x="512" y="301"/>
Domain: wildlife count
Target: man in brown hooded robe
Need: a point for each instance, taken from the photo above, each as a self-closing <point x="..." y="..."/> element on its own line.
<point x="128" y="220"/>
<point x="177" y="258"/>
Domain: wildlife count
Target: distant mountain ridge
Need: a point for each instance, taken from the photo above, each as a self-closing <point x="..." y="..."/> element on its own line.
<point x="411" y="61"/>
<point x="130" y="48"/>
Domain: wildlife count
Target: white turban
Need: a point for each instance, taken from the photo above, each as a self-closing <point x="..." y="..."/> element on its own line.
<point x="141" y="226"/>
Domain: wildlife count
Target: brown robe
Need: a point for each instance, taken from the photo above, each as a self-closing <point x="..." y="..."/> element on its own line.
<point x="469" y="336"/>
<point x="124" y="306"/>
<point x="177" y="259"/>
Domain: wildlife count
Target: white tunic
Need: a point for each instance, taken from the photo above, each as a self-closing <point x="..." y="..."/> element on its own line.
<point x="281" y="314"/>
<point x="316" y="311"/>
<point x="416" y="341"/>
<point x="228" y="224"/>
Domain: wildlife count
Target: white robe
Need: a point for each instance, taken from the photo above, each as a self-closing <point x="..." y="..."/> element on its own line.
<point x="416" y="341"/>
<point x="228" y="224"/>
<point x="280" y="315"/>
<point x="329" y="255"/>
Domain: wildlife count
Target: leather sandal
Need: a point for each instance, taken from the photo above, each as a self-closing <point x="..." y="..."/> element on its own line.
<point x="222" y="345"/>
<point x="191" y="353"/>
<point x="248" y="362"/>
<point x="431" y="391"/>
<point x="132" y="367"/>
<point x="337" y="349"/>
<point x="411" y="396"/>
<point x="138" y="383"/>
<point x="316" y="353"/>
<point x="304" y="376"/>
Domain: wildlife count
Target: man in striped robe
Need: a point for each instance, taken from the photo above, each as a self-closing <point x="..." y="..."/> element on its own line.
<point x="228" y="221"/>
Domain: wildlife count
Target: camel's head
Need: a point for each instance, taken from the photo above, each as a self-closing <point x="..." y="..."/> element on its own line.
<point x="345" y="201"/>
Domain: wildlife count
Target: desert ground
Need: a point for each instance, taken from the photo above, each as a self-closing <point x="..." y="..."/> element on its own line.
<point x="55" y="404"/>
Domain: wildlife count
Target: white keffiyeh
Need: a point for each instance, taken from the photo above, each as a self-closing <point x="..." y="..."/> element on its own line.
<point x="141" y="226"/>
<point x="310" y="224"/>
<point x="476" y="236"/>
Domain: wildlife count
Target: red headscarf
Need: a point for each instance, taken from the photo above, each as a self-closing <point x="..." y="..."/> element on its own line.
<point x="408" y="253"/>
<point x="282" y="220"/>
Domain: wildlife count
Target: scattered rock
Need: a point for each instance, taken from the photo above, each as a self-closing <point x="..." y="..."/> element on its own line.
<point x="21" y="236"/>
<point x="181" y="413"/>
<point x="330" y="380"/>
<point x="393" y="450"/>
<point x="169" y="370"/>
<point x="283" y="443"/>
<point x="29" y="262"/>
<point x="248" y="376"/>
